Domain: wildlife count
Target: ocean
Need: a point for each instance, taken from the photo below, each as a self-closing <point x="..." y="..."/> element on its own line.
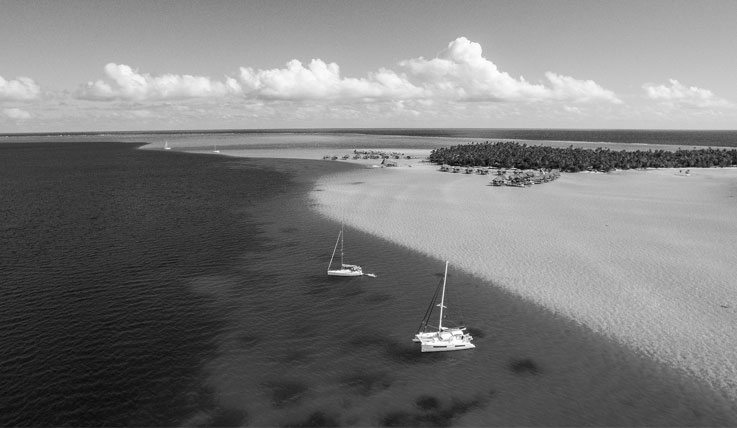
<point x="166" y="288"/>
<point x="422" y="137"/>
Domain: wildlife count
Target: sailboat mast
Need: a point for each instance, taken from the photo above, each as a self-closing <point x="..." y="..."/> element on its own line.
<point x="442" y="299"/>
<point x="341" y="245"/>
<point x="334" y="250"/>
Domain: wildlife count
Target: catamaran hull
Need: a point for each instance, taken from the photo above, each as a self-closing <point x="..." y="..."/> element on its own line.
<point x="449" y="340"/>
<point x="445" y="338"/>
<point x="445" y="347"/>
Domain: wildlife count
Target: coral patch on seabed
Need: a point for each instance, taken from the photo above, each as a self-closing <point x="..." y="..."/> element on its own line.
<point x="524" y="365"/>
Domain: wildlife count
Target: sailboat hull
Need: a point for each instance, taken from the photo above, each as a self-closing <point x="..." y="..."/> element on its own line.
<point x="344" y="272"/>
<point x="345" y="269"/>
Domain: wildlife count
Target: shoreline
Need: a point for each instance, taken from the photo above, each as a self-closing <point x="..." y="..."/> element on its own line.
<point x="641" y="257"/>
<point x="413" y="206"/>
<point x="242" y="244"/>
<point x="615" y="252"/>
<point x="635" y="233"/>
<point x="563" y="346"/>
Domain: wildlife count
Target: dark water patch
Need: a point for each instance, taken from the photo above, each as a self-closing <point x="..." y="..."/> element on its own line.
<point x="285" y="393"/>
<point x="225" y="417"/>
<point x="281" y="245"/>
<point x="378" y="298"/>
<point x="475" y="332"/>
<point x="368" y="383"/>
<point x="248" y="340"/>
<point x="99" y="274"/>
<point x="350" y="288"/>
<point x="432" y="412"/>
<point x="400" y="418"/>
<point x="305" y="329"/>
<point x="180" y="290"/>
<point x="319" y="288"/>
<point x="427" y="403"/>
<point x="369" y="340"/>
<point x="297" y="357"/>
<point x="289" y="244"/>
<point x="410" y="354"/>
<point x="318" y="418"/>
<point x="524" y="366"/>
<point x="460" y="407"/>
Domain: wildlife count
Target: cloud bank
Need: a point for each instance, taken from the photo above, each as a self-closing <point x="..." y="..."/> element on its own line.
<point x="20" y="89"/>
<point x="16" y="113"/>
<point x="457" y="87"/>
<point x="677" y="94"/>
<point x="122" y="82"/>
<point x="320" y="80"/>
<point x="460" y="73"/>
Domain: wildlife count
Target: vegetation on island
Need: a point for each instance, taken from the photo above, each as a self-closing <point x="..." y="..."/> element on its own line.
<point x="515" y="155"/>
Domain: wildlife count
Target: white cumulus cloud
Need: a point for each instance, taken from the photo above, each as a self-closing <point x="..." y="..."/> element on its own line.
<point x="459" y="73"/>
<point x="568" y="88"/>
<point x="462" y="72"/>
<point x="22" y="88"/>
<point x="321" y="80"/>
<point x="16" y="113"/>
<point x="678" y="94"/>
<point x="122" y="82"/>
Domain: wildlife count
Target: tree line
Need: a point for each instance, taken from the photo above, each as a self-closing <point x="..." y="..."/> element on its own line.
<point x="511" y="154"/>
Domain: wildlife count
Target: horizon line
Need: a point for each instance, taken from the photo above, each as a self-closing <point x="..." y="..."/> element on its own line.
<point x="347" y="129"/>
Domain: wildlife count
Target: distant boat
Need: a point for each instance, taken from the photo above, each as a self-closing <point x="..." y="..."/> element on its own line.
<point x="166" y="146"/>
<point x="439" y="339"/>
<point x="215" y="149"/>
<point x="345" y="269"/>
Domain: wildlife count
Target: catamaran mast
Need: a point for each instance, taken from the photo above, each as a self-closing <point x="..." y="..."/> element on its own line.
<point x="442" y="299"/>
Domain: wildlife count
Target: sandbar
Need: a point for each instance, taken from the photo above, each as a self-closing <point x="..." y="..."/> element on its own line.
<point x="646" y="258"/>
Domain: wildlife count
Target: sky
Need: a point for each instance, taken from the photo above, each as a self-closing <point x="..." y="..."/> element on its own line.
<point x="137" y="65"/>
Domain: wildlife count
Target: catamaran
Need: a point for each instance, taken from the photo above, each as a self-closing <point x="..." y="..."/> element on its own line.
<point x="345" y="269"/>
<point x="438" y="339"/>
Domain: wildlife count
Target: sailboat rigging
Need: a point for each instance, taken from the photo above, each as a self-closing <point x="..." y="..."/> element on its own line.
<point x="345" y="269"/>
<point x="440" y="338"/>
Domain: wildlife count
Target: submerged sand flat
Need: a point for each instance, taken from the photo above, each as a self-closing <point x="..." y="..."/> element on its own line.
<point x="646" y="258"/>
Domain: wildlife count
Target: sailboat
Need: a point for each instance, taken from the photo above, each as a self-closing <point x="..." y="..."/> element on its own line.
<point x="166" y="145"/>
<point x="440" y="338"/>
<point x="345" y="269"/>
<point x="215" y="149"/>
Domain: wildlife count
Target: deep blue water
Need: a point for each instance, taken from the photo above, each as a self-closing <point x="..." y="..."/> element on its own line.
<point x="96" y="326"/>
<point x="685" y="138"/>
<point x="153" y="288"/>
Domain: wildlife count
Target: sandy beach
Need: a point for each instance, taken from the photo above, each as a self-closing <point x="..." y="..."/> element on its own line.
<point x="619" y="285"/>
<point x="644" y="258"/>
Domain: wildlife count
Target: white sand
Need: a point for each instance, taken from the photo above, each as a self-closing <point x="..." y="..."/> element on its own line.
<point x="646" y="258"/>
